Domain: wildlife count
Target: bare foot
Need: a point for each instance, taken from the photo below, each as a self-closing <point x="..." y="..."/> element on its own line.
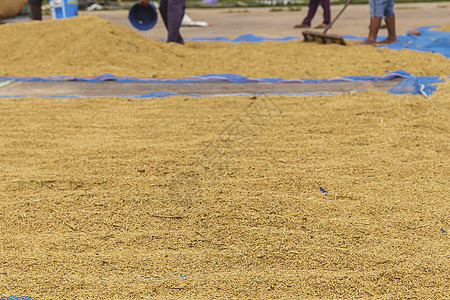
<point x="386" y="41"/>
<point x="368" y="42"/>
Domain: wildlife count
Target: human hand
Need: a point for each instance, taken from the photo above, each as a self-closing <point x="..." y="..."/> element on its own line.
<point x="144" y="2"/>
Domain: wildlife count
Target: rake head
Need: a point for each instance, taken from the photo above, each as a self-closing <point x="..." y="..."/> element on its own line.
<point x="324" y="38"/>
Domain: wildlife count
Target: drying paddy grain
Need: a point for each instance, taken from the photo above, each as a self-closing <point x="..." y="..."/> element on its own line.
<point x="268" y="197"/>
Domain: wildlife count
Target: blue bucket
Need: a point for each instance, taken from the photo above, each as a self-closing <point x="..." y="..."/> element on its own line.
<point x="143" y="17"/>
<point x="63" y="8"/>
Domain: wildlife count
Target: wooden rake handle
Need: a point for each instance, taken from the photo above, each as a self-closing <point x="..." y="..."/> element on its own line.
<point x="338" y="15"/>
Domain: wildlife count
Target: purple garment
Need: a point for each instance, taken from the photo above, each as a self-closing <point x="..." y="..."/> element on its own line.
<point x="313" y="5"/>
<point x="210" y="2"/>
<point x="172" y="12"/>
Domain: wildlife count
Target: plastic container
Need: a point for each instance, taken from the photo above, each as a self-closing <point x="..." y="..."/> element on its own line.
<point x="63" y="8"/>
<point x="143" y="17"/>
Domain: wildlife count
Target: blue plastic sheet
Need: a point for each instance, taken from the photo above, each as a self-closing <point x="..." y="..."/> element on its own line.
<point x="410" y="85"/>
<point x="245" y="38"/>
<point x="428" y="41"/>
<point x="229" y="77"/>
<point x="416" y="85"/>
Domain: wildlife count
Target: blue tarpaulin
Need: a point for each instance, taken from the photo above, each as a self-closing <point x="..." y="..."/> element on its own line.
<point x="244" y="38"/>
<point x="411" y="84"/>
<point x="229" y="77"/>
<point x="429" y="40"/>
<point x="416" y="85"/>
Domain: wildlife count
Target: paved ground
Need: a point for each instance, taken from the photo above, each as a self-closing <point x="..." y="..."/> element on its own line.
<point x="42" y="88"/>
<point x="234" y="22"/>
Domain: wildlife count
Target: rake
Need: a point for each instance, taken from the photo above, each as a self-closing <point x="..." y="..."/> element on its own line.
<point x="324" y="37"/>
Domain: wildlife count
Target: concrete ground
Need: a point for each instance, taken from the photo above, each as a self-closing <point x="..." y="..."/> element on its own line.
<point x="233" y="22"/>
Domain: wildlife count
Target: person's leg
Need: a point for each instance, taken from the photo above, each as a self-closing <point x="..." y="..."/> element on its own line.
<point x="373" y="31"/>
<point x="163" y="11"/>
<point x="312" y="8"/>
<point x="392" y="36"/>
<point x="34" y="7"/>
<point x="175" y="13"/>
<point x="390" y="24"/>
<point x="376" y="15"/>
<point x="326" y="11"/>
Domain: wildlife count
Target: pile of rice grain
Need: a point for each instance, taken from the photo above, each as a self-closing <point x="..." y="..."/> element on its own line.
<point x="443" y="28"/>
<point x="90" y="46"/>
